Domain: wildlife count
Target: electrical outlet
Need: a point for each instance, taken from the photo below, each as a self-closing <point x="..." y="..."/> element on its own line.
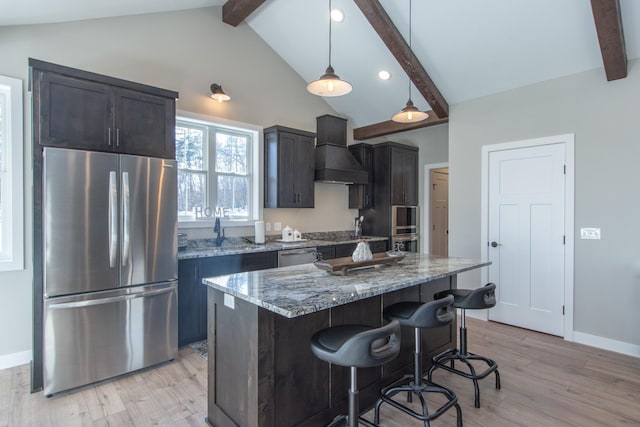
<point x="267" y="226"/>
<point x="277" y="226"/>
<point x="590" y="233"/>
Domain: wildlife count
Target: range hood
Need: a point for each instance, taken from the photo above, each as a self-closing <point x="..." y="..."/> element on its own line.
<point x="334" y="162"/>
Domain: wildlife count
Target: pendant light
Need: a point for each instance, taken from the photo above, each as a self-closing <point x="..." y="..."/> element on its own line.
<point x="409" y="114"/>
<point x="329" y="84"/>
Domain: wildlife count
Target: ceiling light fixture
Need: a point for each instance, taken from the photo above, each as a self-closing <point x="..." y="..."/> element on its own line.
<point x="218" y="94"/>
<point x="337" y="15"/>
<point x="409" y="114"/>
<point x="329" y="84"/>
<point x="384" y="75"/>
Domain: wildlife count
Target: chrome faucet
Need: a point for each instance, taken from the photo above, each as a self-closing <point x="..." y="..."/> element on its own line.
<point x="216" y="229"/>
<point x="358" y="223"/>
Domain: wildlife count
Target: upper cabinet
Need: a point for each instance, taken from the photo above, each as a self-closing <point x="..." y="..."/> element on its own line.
<point x="82" y="110"/>
<point x="289" y="163"/>
<point x="396" y="174"/>
<point x="404" y="175"/>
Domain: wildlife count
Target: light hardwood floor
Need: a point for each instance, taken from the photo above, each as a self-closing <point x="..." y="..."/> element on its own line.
<point x="545" y="382"/>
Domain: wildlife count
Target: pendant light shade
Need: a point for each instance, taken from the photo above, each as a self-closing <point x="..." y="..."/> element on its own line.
<point x="329" y="84"/>
<point x="409" y="114"/>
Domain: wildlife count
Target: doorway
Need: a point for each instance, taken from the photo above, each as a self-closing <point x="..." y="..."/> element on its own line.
<point x="527" y="217"/>
<point x="429" y="212"/>
<point x="439" y="212"/>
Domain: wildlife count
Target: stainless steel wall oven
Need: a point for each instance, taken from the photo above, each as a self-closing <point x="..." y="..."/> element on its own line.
<point x="404" y="228"/>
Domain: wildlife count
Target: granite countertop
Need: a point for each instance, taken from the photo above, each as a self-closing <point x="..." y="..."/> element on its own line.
<point x="298" y="290"/>
<point x="236" y="246"/>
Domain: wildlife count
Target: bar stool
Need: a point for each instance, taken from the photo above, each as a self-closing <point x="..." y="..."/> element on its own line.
<point x="467" y="299"/>
<point x="419" y="315"/>
<point x="356" y="346"/>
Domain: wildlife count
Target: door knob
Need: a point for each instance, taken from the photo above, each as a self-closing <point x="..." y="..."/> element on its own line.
<point x="494" y="244"/>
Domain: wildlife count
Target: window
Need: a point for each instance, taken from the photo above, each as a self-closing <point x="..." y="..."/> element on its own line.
<point x="11" y="188"/>
<point x="217" y="170"/>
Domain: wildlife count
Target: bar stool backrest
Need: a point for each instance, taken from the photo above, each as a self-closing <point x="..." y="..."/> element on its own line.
<point x="434" y="313"/>
<point x="481" y="298"/>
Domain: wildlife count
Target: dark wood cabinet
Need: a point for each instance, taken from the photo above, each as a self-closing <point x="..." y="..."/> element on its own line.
<point x="404" y="175"/>
<point x="346" y="249"/>
<point x="82" y="110"/>
<point x="327" y="252"/>
<point x="144" y="124"/>
<point x="192" y="294"/>
<point x="361" y="195"/>
<point x="289" y="164"/>
<point x="269" y="376"/>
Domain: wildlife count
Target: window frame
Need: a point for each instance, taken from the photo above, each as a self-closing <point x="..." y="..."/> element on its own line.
<point x="13" y="184"/>
<point x="255" y="151"/>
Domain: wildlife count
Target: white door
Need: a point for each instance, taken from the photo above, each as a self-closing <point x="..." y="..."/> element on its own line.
<point x="526" y="236"/>
<point x="439" y="215"/>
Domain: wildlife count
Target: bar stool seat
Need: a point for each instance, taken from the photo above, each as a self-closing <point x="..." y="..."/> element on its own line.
<point x="356" y="346"/>
<point x="467" y="299"/>
<point x="419" y="315"/>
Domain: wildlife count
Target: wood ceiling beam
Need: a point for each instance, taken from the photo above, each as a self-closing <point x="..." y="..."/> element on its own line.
<point x="608" y="20"/>
<point x="389" y="127"/>
<point x="236" y="11"/>
<point x="399" y="48"/>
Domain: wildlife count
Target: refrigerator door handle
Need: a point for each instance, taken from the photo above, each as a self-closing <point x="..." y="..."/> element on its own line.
<point x="113" y="219"/>
<point x="99" y="301"/>
<point x="126" y="219"/>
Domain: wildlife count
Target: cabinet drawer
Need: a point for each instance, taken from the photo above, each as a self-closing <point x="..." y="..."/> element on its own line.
<point x="378" y="246"/>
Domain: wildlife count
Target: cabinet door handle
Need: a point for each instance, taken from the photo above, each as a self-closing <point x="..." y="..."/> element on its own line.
<point x="118" y="137"/>
<point x="109" y="137"/>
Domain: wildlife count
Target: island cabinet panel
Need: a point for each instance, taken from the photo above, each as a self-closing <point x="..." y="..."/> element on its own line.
<point x="365" y="312"/>
<point x="83" y="110"/>
<point x="301" y="388"/>
<point x="437" y="340"/>
<point x="262" y="371"/>
<point x="404" y="362"/>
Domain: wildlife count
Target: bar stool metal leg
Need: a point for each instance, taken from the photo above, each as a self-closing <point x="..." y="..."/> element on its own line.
<point x="465" y="357"/>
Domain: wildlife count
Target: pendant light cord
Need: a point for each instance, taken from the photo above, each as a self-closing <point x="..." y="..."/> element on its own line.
<point x="410" y="53"/>
<point x="329" y="33"/>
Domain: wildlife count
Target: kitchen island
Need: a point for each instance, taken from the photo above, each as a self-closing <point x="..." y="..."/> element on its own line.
<point x="261" y="369"/>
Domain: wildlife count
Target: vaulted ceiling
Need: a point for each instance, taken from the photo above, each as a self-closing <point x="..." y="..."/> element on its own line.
<point x="460" y="49"/>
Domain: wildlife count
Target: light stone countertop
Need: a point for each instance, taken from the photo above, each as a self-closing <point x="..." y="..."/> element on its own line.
<point x="246" y="248"/>
<point x="302" y="289"/>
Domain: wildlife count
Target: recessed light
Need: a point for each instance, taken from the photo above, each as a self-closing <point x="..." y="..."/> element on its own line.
<point x="384" y="75"/>
<point x="337" y="15"/>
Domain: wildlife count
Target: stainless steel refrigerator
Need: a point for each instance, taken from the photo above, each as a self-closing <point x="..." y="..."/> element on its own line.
<point x="110" y="265"/>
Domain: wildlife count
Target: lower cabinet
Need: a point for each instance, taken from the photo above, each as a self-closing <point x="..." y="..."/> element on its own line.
<point x="346" y="249"/>
<point x="192" y="294"/>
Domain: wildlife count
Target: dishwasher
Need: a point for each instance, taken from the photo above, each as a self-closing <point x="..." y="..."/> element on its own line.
<point x="297" y="256"/>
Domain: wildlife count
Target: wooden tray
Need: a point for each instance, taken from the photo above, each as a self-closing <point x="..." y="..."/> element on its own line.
<point x="343" y="265"/>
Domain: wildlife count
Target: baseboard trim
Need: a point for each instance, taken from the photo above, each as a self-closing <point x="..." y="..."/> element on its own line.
<point x="607" y="344"/>
<point x="15" y="359"/>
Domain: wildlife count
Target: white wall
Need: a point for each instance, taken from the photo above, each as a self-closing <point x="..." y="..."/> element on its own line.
<point x="183" y="51"/>
<point x="604" y="117"/>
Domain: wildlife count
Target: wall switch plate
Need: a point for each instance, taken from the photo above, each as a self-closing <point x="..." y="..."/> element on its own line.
<point x="230" y="301"/>
<point x="277" y="226"/>
<point x="267" y="226"/>
<point x="590" y="233"/>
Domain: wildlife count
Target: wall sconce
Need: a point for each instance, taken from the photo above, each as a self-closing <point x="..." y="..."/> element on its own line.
<point x="218" y="94"/>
